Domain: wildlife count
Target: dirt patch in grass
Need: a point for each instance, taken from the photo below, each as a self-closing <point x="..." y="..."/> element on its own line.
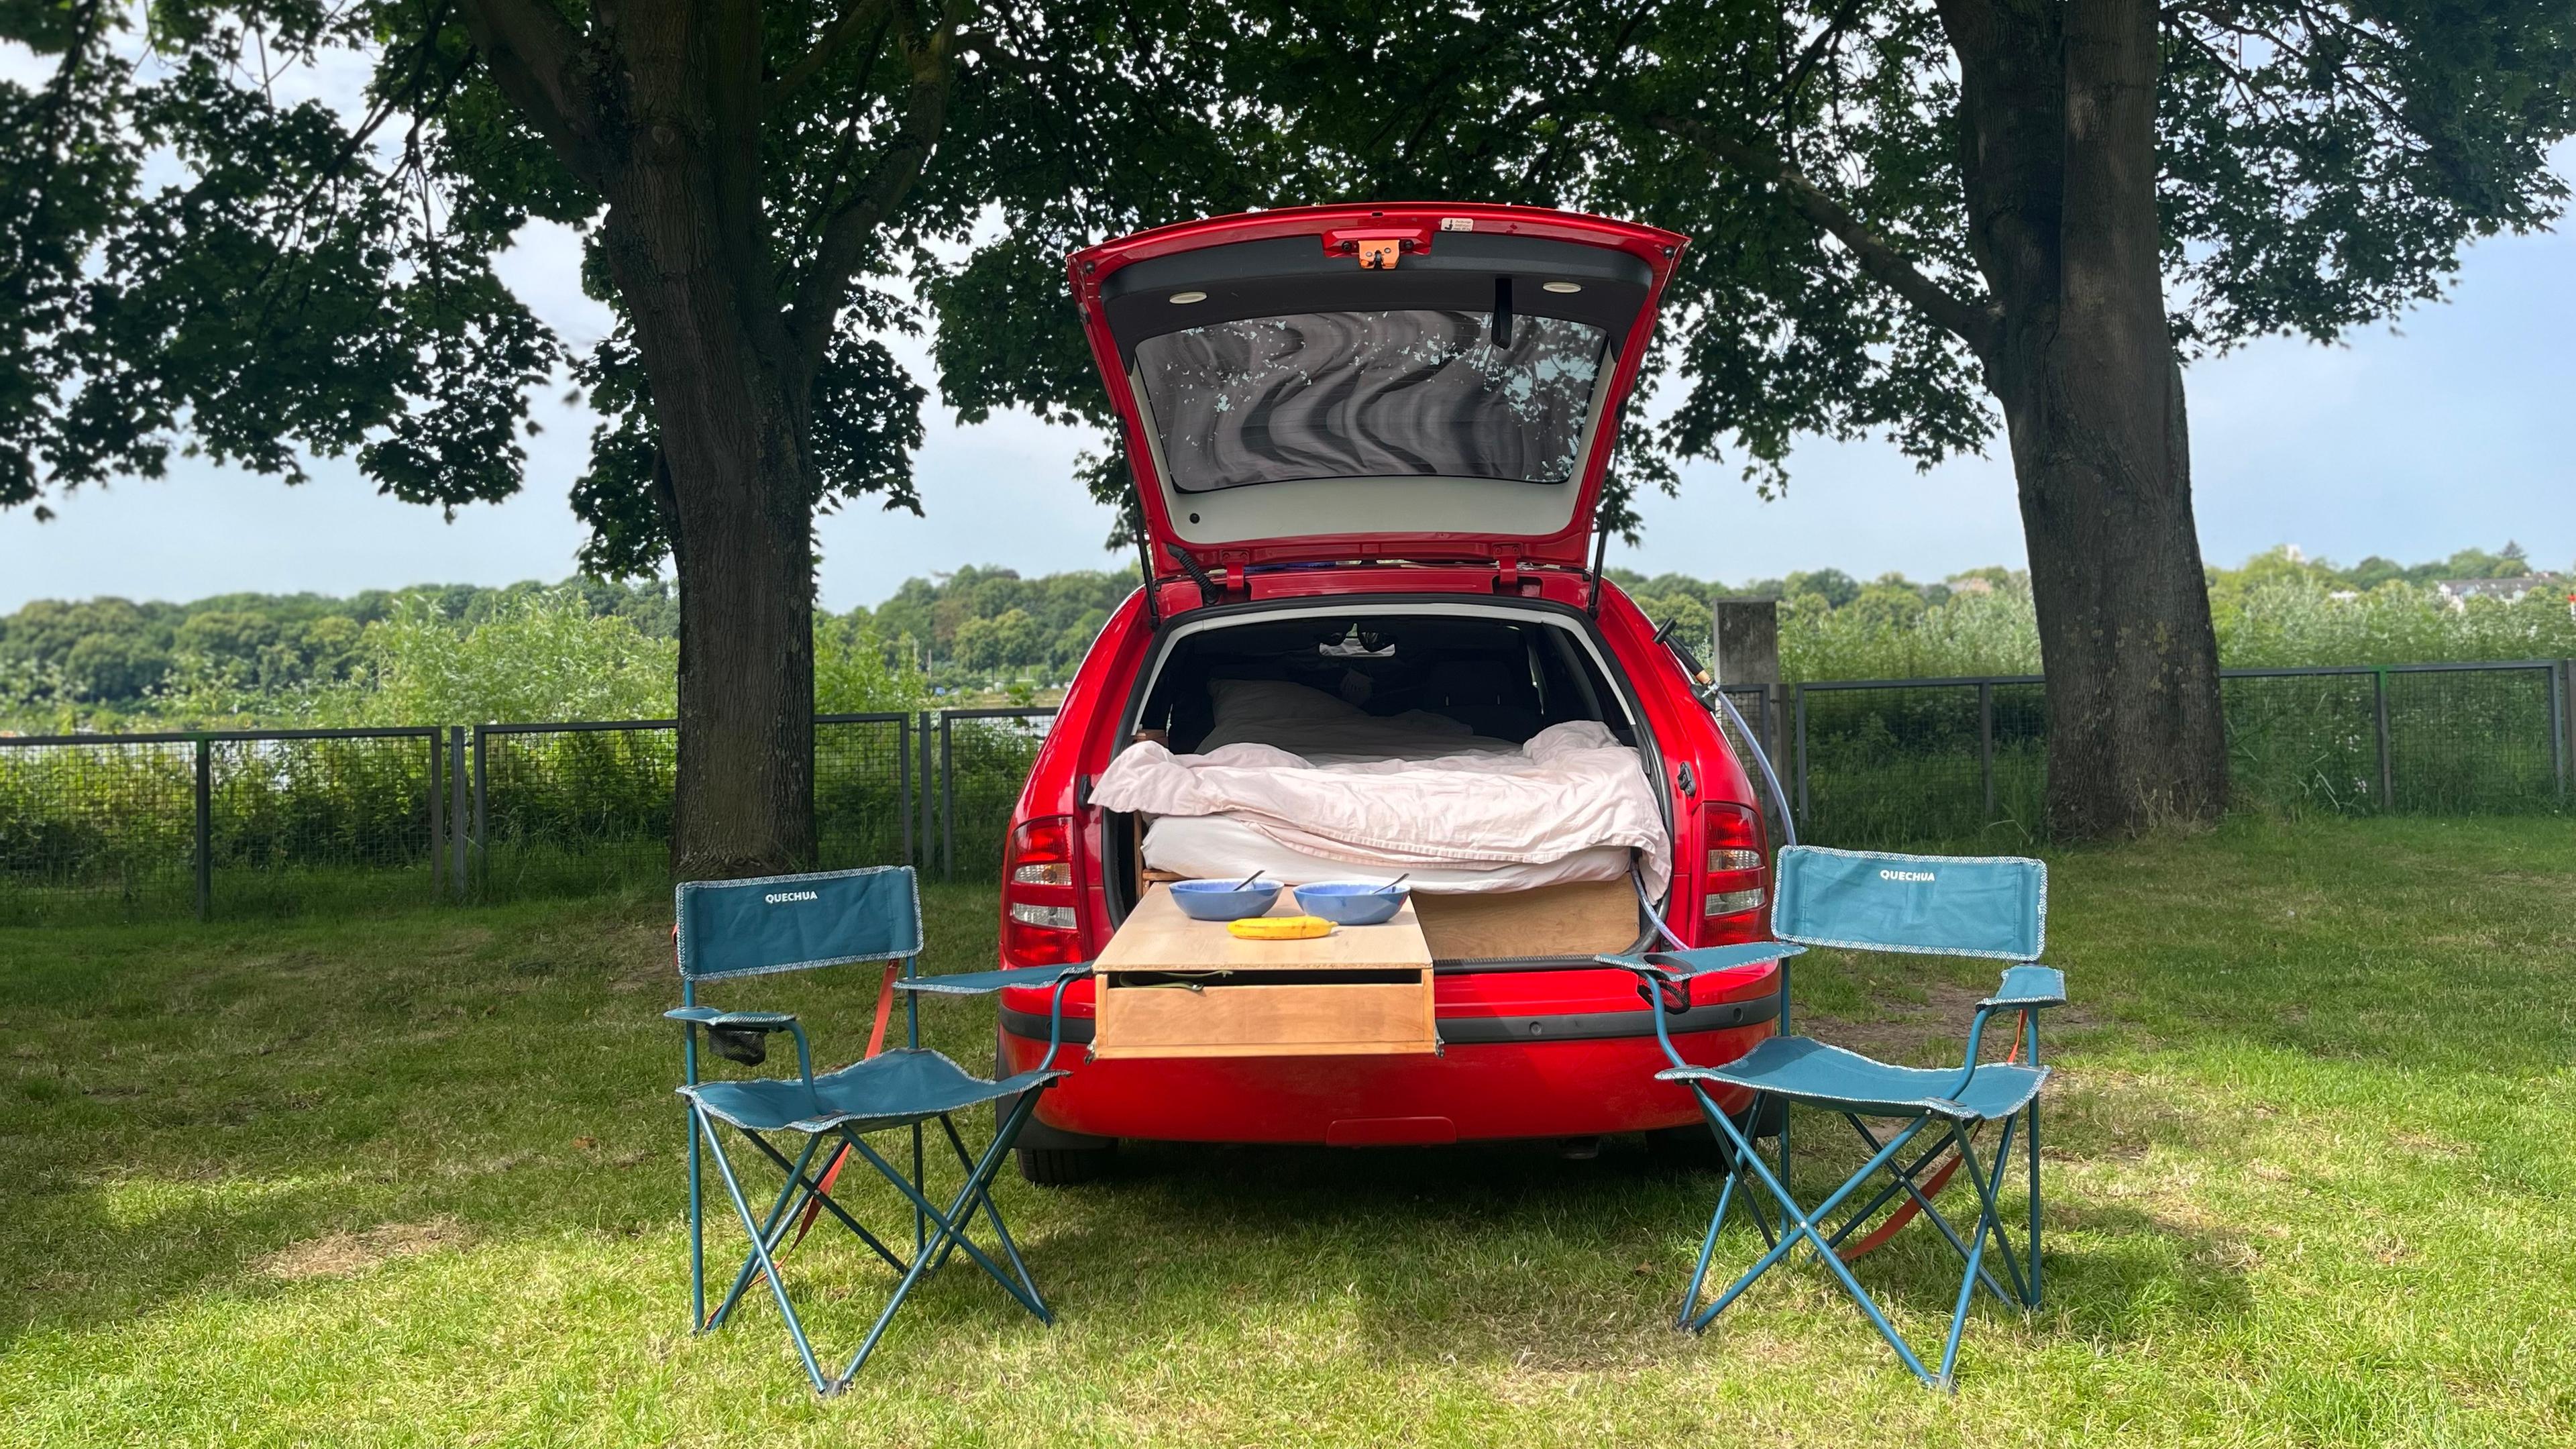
<point x="339" y="1255"/>
<point x="1930" y="1032"/>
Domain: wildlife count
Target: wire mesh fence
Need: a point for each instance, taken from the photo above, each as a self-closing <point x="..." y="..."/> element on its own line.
<point x="567" y="809"/>
<point x="136" y="826"/>
<point x="100" y="827"/>
<point x="864" y="773"/>
<point x="984" y="757"/>
<point x="1965" y="761"/>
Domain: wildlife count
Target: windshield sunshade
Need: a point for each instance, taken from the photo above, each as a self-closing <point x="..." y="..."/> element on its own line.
<point x="1370" y="395"/>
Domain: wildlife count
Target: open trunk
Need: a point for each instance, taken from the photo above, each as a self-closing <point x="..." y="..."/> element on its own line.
<point x="1359" y="684"/>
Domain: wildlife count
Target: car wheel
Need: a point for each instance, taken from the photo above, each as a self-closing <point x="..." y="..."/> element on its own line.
<point x="1062" y="1166"/>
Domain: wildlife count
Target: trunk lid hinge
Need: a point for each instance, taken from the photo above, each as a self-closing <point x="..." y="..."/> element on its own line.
<point x="1211" y="590"/>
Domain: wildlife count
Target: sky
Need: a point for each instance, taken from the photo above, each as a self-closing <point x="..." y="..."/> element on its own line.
<point x="2450" y="430"/>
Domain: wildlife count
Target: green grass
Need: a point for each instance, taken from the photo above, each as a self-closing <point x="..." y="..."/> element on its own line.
<point x="415" y="1178"/>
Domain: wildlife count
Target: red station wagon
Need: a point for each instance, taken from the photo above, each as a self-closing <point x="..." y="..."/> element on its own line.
<point x="1371" y="441"/>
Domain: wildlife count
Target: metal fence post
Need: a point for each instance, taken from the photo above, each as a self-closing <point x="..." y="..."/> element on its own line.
<point x="2564" y="723"/>
<point x="2379" y="714"/>
<point x="947" y="799"/>
<point x="482" y="820"/>
<point x="205" y="827"/>
<point x="456" y="809"/>
<point x="437" y="812"/>
<point x="927" y="833"/>
<point x="903" y="780"/>
<point x="1799" y="698"/>
<point x="1986" y="742"/>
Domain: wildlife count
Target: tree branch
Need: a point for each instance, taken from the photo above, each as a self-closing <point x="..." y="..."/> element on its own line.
<point x="541" y="63"/>
<point x="1976" y="323"/>
<point x="847" y="231"/>
<point x="860" y="18"/>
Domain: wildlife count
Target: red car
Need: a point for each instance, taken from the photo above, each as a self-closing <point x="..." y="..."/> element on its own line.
<point x="1380" y="435"/>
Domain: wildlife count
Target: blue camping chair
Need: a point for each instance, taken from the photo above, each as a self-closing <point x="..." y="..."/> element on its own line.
<point x="1992" y="907"/>
<point x="800" y="922"/>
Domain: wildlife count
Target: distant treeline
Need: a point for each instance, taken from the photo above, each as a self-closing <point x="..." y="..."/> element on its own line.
<point x="584" y="648"/>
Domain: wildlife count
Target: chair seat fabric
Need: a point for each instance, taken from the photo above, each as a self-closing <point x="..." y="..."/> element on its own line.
<point x="1810" y="1071"/>
<point x="890" y="1089"/>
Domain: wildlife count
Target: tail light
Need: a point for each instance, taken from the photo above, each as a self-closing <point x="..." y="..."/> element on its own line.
<point x="1040" y="923"/>
<point x="1735" y="885"/>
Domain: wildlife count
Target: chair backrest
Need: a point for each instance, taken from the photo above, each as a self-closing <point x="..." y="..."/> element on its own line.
<point x="797" y="922"/>
<point x="1932" y="905"/>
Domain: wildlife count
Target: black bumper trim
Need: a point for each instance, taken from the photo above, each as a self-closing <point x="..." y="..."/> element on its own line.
<point x="1488" y="1030"/>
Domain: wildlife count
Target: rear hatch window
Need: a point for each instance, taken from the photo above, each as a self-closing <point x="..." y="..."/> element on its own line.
<point x="1371" y="394"/>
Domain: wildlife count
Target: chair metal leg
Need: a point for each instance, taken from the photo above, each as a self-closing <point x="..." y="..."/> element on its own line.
<point x="1707" y="1249"/>
<point x="2020" y="1302"/>
<point x="2033" y="1172"/>
<point x="1904" y="1182"/>
<point x="992" y="1213"/>
<point x="1897" y="1172"/>
<point x="760" y="1250"/>
<point x="697" y="1229"/>
<point x="951" y="1229"/>
<point x="951" y="1226"/>
<point x="1976" y="1257"/>
<point x="1752" y="1205"/>
<point x="772" y="1228"/>
<point x="1799" y="1225"/>
<point x="818" y="1196"/>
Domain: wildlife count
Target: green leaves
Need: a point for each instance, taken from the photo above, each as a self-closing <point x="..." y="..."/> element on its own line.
<point x="269" y="288"/>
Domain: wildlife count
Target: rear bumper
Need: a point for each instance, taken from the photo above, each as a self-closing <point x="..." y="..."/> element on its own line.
<point x="1499" y="1075"/>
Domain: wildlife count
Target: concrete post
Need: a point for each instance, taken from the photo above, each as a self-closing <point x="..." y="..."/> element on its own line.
<point x="1747" y="637"/>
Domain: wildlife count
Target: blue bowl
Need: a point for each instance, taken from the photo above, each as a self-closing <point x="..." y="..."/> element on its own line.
<point x="1351" y="903"/>
<point x="1219" y="900"/>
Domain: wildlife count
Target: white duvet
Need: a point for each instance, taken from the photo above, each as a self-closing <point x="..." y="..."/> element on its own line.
<point x="1572" y="789"/>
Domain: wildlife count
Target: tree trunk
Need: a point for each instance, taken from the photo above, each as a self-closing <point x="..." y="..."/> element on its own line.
<point x="686" y="241"/>
<point x="737" y="493"/>
<point x="2059" y="160"/>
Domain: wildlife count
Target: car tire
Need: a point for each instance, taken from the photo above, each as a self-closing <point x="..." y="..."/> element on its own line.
<point x="1062" y="1166"/>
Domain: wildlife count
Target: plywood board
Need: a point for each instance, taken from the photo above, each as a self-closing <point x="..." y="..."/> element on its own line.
<point x="1580" y="918"/>
<point x="1252" y="1019"/>
<point x="1157" y="937"/>
<point x="1260" y="998"/>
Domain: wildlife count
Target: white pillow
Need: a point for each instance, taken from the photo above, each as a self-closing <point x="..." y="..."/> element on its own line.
<point x="1265" y="700"/>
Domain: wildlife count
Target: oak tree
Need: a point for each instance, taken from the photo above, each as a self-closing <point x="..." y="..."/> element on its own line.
<point x="1910" y="218"/>
<point x="200" y="249"/>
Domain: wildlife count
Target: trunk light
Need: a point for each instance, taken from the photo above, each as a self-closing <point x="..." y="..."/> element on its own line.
<point x="1725" y="903"/>
<point x="1736" y="886"/>
<point x="1041" y="914"/>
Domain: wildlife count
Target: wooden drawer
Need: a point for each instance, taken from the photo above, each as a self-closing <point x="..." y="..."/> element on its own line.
<point x="1248" y="1016"/>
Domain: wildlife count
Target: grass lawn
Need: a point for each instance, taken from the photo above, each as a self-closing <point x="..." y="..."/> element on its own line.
<point x="415" y="1178"/>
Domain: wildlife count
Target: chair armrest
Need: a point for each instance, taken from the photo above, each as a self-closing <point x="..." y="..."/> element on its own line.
<point x="1682" y="965"/>
<point x="737" y="1036"/>
<point x="759" y="1021"/>
<point x="978" y="983"/>
<point x="2028" y="988"/>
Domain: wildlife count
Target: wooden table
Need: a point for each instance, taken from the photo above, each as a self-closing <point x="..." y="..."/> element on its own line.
<point x="1173" y="987"/>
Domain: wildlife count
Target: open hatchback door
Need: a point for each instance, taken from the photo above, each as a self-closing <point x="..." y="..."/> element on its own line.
<point x="1400" y="382"/>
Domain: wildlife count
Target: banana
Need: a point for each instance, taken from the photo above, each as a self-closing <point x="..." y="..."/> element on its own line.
<point x="1280" y="928"/>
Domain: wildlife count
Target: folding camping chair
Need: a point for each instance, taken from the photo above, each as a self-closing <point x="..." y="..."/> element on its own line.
<point x="1993" y="907"/>
<point x="800" y="922"/>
